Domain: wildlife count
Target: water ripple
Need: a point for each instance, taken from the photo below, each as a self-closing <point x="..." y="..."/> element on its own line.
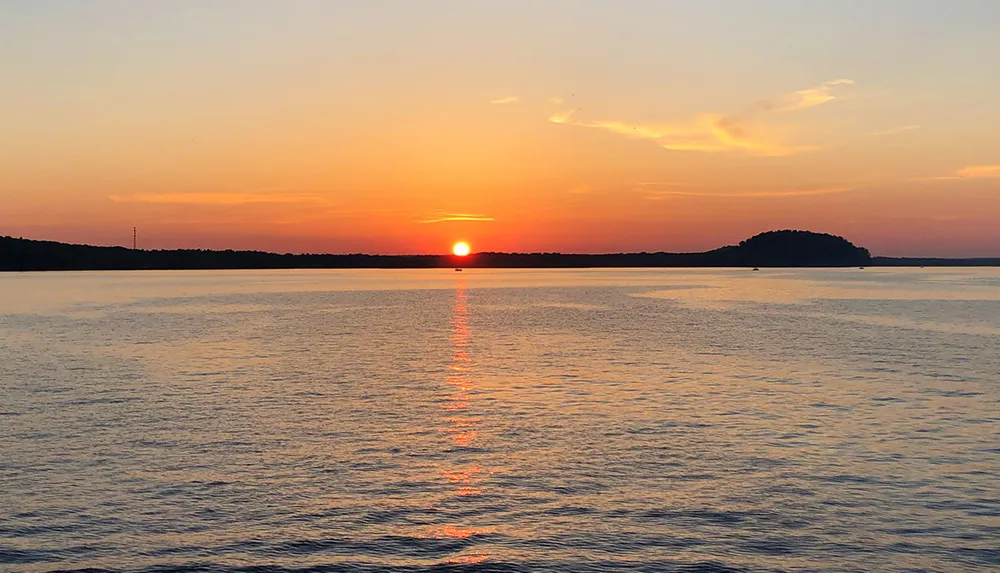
<point x="532" y="427"/>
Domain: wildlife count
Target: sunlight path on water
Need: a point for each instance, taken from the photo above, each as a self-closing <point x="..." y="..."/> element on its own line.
<point x="578" y="420"/>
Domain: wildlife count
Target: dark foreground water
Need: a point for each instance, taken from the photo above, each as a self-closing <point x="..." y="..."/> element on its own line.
<point x="565" y="421"/>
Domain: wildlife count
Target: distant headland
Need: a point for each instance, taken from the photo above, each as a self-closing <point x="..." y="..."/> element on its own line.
<point x="785" y="248"/>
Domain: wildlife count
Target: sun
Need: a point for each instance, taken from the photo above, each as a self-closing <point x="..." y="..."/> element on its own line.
<point x="461" y="249"/>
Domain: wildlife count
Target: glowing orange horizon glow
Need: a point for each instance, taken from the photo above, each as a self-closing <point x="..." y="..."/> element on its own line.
<point x="461" y="249"/>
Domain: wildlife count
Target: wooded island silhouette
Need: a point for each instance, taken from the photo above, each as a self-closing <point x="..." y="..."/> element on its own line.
<point x="786" y="248"/>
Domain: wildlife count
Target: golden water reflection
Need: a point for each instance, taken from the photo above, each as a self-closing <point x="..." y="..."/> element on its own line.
<point x="460" y="426"/>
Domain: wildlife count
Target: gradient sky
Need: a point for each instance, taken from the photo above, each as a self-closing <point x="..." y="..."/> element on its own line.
<point x="518" y="125"/>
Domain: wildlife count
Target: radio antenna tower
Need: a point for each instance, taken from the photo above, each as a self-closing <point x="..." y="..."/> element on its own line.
<point x="134" y="235"/>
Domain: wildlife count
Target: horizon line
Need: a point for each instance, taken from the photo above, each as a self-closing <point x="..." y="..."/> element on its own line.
<point x="474" y="254"/>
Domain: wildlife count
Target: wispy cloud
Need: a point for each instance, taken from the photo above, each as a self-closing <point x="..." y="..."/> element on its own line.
<point x="508" y="99"/>
<point x="451" y="217"/>
<point x="733" y="133"/>
<point x="562" y="116"/>
<point x="714" y="132"/>
<point x="806" y="98"/>
<point x="659" y="184"/>
<point x="657" y="195"/>
<point x="894" y="130"/>
<point x="975" y="172"/>
<point x="214" y="198"/>
<point x="557" y="100"/>
<point x="980" y="172"/>
<point x="708" y="133"/>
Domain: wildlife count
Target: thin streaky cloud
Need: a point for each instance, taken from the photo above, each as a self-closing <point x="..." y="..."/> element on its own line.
<point x="562" y="116"/>
<point x="508" y="99"/>
<point x="557" y="100"/>
<point x="708" y="133"/>
<point x="973" y="172"/>
<point x="802" y="99"/>
<point x="778" y="193"/>
<point x="452" y="217"/>
<point x="894" y="130"/>
<point x="713" y="132"/>
<point x="214" y="198"/>
<point x="979" y="172"/>
<point x="733" y="134"/>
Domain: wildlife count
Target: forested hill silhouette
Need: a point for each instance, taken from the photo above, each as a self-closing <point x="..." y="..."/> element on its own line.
<point x="802" y="249"/>
<point x="775" y="248"/>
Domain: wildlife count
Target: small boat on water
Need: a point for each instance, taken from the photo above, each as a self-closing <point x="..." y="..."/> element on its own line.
<point x="458" y="270"/>
<point x="756" y="269"/>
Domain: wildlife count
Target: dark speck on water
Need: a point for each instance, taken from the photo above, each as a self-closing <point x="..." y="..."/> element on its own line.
<point x="500" y="420"/>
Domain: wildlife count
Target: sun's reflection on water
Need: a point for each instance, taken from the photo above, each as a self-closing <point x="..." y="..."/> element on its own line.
<point x="467" y="560"/>
<point x="461" y="428"/>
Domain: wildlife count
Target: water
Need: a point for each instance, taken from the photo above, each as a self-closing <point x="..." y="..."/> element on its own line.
<point x="572" y="420"/>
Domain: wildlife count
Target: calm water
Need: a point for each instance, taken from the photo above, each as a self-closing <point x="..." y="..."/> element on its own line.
<point x="593" y="420"/>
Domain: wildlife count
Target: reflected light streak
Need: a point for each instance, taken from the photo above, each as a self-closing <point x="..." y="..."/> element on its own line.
<point x="463" y="476"/>
<point x="461" y="532"/>
<point x="461" y="429"/>
<point x="467" y="559"/>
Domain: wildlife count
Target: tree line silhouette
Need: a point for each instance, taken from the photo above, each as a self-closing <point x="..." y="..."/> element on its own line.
<point x="786" y="248"/>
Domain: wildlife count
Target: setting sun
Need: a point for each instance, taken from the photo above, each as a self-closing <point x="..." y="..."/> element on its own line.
<point x="701" y="228"/>
<point x="461" y="249"/>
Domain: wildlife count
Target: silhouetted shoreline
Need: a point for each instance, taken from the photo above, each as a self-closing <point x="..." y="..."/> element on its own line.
<point x="935" y="262"/>
<point x="771" y="249"/>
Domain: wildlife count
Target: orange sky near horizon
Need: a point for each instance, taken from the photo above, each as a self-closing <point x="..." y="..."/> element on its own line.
<point x="385" y="127"/>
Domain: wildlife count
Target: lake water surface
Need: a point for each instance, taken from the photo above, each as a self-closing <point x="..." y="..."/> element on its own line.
<point x="501" y="420"/>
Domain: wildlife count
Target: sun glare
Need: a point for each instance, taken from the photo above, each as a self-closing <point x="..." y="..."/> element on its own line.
<point x="461" y="249"/>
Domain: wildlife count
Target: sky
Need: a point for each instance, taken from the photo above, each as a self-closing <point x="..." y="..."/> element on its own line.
<point x="518" y="125"/>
